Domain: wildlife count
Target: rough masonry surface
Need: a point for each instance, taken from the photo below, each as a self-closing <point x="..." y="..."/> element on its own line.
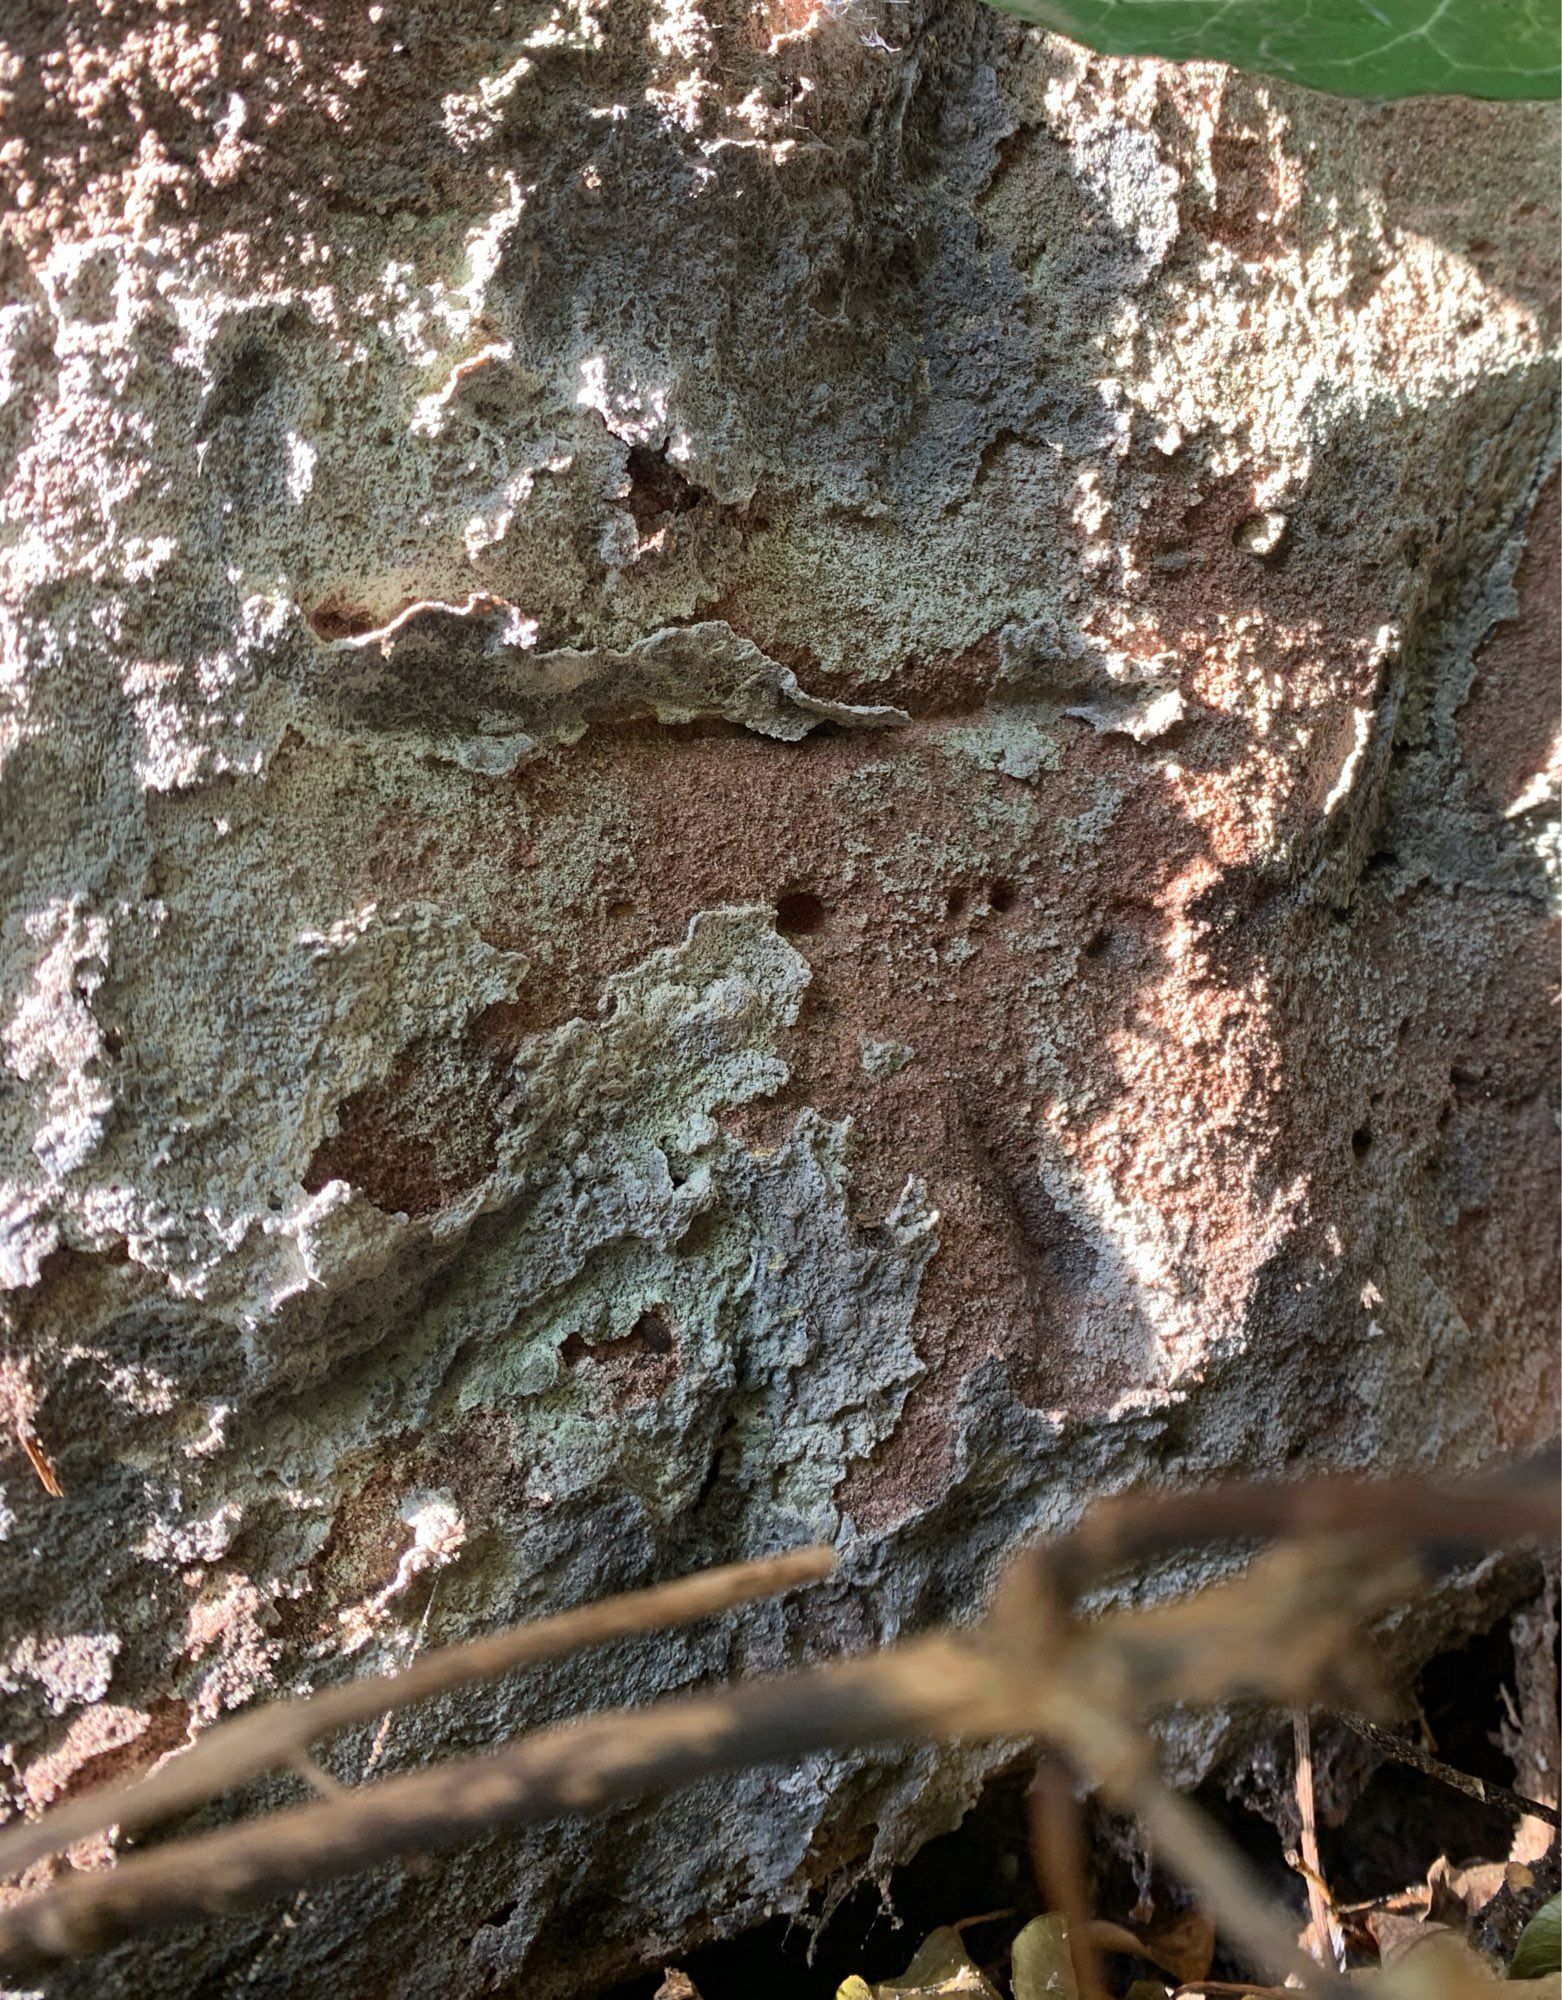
<point x="767" y="771"/>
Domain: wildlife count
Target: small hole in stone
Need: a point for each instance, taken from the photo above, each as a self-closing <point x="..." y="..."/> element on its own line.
<point x="1099" y="945"/>
<point x="1001" y="895"/>
<point x="653" y="1331"/>
<point x="338" y="617"/>
<point x="1361" y="1141"/>
<point x="955" y="906"/>
<point x="798" y="912"/>
<point x="618" y="909"/>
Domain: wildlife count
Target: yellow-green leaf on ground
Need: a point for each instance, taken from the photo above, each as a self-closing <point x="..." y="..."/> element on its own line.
<point x="1355" y="48"/>
<point x="1042" y="1967"/>
<point x="941" y="1970"/>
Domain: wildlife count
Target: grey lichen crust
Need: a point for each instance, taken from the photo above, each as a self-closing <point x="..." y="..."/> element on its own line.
<point x="466" y="682"/>
<point x="766" y="772"/>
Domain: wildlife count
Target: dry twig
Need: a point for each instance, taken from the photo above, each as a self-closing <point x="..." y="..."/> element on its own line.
<point x="1287" y="1632"/>
<point x="1322" y="1928"/>
<point x="1487" y="1790"/>
<point x="281" y="1732"/>
<point x="1057" y="1854"/>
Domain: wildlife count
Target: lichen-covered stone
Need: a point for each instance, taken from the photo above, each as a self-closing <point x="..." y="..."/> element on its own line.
<point x="766" y="771"/>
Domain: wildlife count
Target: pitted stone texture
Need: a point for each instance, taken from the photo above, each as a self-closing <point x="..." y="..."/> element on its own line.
<point x="766" y="771"/>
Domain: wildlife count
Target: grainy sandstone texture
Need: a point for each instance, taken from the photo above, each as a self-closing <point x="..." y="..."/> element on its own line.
<point x="769" y="771"/>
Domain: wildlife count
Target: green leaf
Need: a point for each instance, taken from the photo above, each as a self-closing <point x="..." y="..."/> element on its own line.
<point x="1539" y="1949"/>
<point x="1042" y="1966"/>
<point x="1355" y="48"/>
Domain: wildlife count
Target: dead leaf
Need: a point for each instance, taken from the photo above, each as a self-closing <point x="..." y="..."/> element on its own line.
<point x="1395" y="1932"/>
<point x="1438" y="1966"/>
<point x="1456" y="1895"/>
<point x="1183" y="1946"/>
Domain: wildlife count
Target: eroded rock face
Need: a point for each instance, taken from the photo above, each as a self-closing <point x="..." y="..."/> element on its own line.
<point x="769" y="771"/>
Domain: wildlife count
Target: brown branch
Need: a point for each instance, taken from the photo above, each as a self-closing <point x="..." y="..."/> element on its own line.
<point x="1254" y="1636"/>
<point x="1287" y="1632"/>
<point x="281" y="1733"/>
<point x="1487" y="1790"/>
<point x="1319" y="1904"/>
<point x="1515" y="1502"/>
<point x="1057" y="1856"/>
<point x="1118" y="1760"/>
<point x="579" y="1766"/>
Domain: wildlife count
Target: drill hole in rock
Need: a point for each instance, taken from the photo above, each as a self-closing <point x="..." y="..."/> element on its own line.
<point x="799" y="912"/>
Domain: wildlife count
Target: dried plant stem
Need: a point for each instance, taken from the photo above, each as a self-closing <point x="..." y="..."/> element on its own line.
<point x="1322" y="1924"/>
<point x="580" y="1766"/>
<point x="1288" y="1631"/>
<point x="1192" y="1847"/>
<point x="1487" y="1790"/>
<point x="1486" y="1512"/>
<point x="1057" y="1854"/>
<point x="281" y="1733"/>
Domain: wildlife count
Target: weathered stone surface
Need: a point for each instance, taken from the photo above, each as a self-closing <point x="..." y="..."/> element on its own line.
<point x="768" y="771"/>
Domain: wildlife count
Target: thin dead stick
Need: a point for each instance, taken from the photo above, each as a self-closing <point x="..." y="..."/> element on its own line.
<point x="1057" y="1855"/>
<point x="1240" y="1989"/>
<point x="282" y="1732"/>
<point x="964" y="1924"/>
<point x="1006" y="1680"/>
<point x="1485" y="1789"/>
<point x="1503" y="1506"/>
<point x="580" y="1766"/>
<point x="934" y="1687"/>
<point x="1288" y="1630"/>
<point x="1322" y="1926"/>
<point x="1116" y="1757"/>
